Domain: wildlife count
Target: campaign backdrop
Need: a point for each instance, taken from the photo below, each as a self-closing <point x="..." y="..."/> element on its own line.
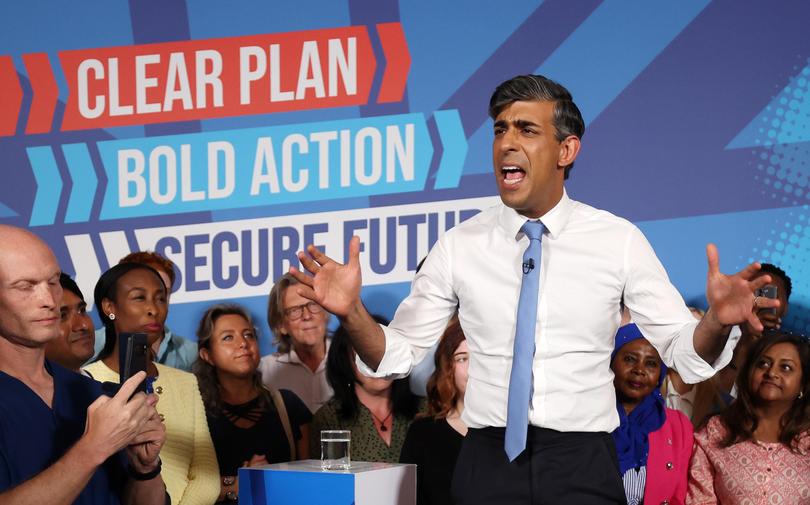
<point x="228" y="135"/>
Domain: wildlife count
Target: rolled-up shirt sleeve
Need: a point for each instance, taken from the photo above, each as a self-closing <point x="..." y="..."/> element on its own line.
<point x="420" y="319"/>
<point x="661" y="314"/>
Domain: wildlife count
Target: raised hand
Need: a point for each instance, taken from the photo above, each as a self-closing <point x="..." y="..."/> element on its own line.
<point x="113" y="423"/>
<point x="768" y="319"/>
<point x="144" y="449"/>
<point x="732" y="298"/>
<point x="332" y="285"/>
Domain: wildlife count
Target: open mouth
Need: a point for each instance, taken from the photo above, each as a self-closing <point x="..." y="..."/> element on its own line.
<point x="512" y="174"/>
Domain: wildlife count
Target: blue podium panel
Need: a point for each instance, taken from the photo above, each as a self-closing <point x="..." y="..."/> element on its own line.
<point x="304" y="483"/>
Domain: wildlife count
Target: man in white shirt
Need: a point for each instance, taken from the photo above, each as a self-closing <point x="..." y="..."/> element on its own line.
<point x="590" y="261"/>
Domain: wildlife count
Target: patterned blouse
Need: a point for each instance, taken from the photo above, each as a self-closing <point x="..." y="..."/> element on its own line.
<point x="750" y="472"/>
<point x="366" y="442"/>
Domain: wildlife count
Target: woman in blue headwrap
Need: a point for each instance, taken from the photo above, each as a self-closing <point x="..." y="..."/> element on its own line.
<point x="653" y="443"/>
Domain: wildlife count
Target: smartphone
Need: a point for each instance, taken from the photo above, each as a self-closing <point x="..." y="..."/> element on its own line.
<point x="132" y="357"/>
<point x="768" y="291"/>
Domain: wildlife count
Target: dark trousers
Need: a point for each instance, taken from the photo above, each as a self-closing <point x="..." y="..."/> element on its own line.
<point x="556" y="467"/>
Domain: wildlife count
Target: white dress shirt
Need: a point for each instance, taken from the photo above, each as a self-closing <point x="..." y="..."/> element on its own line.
<point x="590" y="259"/>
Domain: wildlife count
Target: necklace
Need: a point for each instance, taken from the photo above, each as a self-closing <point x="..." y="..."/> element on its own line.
<point x="382" y="421"/>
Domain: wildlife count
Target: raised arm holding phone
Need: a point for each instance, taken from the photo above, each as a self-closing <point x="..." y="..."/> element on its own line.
<point x="60" y="438"/>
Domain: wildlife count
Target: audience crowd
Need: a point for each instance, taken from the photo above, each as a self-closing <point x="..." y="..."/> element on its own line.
<point x="741" y="437"/>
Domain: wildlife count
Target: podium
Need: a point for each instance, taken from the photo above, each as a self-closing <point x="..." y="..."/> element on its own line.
<point x="304" y="483"/>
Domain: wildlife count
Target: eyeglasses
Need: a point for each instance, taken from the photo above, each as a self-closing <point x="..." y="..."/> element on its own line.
<point x="296" y="312"/>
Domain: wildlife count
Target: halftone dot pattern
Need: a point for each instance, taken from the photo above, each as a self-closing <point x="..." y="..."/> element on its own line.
<point x="783" y="167"/>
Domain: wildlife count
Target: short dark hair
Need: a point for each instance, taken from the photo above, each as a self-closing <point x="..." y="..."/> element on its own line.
<point x="526" y="88"/>
<point x="105" y="288"/>
<point x="70" y="285"/>
<point x="774" y="270"/>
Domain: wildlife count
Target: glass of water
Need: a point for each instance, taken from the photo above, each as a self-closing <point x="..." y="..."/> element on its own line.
<point x="335" y="449"/>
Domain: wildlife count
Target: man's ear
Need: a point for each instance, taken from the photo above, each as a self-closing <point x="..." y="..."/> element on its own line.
<point x="569" y="149"/>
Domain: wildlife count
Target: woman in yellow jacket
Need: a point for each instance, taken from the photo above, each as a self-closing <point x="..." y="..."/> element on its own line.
<point x="132" y="298"/>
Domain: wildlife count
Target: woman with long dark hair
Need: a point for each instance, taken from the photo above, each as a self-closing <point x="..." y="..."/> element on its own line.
<point x="250" y="425"/>
<point x="434" y="440"/>
<point x="758" y="450"/>
<point x="377" y="411"/>
<point x="131" y="298"/>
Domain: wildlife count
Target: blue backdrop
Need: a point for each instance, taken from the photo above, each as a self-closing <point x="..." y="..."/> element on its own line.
<point x="697" y="129"/>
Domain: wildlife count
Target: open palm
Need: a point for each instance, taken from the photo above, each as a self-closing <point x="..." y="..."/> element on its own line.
<point x="732" y="297"/>
<point x="334" y="286"/>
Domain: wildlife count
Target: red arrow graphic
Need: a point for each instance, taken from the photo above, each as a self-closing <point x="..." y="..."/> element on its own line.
<point x="398" y="62"/>
<point x="45" y="90"/>
<point x="11" y="95"/>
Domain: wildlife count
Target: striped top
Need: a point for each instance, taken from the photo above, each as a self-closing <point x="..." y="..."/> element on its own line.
<point x="634" y="480"/>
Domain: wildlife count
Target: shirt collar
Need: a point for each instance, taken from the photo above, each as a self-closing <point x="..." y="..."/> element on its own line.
<point x="164" y="344"/>
<point x="554" y="220"/>
<point x="292" y="356"/>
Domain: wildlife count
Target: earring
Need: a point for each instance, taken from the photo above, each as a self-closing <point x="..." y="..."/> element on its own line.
<point x="801" y="393"/>
<point x="111" y="316"/>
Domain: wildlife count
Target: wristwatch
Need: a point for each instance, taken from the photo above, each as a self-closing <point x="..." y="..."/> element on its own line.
<point x="144" y="476"/>
<point x="231" y="496"/>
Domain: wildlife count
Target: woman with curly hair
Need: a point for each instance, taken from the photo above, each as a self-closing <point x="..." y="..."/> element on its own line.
<point x="377" y="411"/>
<point x="250" y="425"/>
<point x="434" y="441"/>
<point x="757" y="451"/>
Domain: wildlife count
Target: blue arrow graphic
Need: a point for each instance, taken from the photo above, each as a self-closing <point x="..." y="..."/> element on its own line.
<point x="49" y="185"/>
<point x="83" y="192"/>
<point x="454" y="144"/>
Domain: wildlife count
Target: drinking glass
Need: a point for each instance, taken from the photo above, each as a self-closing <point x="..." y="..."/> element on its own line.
<point x="336" y="449"/>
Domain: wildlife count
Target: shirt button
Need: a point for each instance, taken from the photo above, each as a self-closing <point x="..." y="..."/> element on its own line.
<point x="665" y="502"/>
<point x="669" y="441"/>
<point x="159" y="390"/>
<point x="669" y="465"/>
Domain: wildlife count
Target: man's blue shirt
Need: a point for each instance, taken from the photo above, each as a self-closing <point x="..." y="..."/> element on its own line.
<point x="34" y="436"/>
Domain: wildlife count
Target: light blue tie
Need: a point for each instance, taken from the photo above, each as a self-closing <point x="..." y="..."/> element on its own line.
<point x="520" y="380"/>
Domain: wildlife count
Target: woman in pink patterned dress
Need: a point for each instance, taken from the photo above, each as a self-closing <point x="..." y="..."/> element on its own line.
<point x="758" y="450"/>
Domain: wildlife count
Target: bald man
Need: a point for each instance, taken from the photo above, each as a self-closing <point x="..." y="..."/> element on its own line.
<point x="61" y="440"/>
